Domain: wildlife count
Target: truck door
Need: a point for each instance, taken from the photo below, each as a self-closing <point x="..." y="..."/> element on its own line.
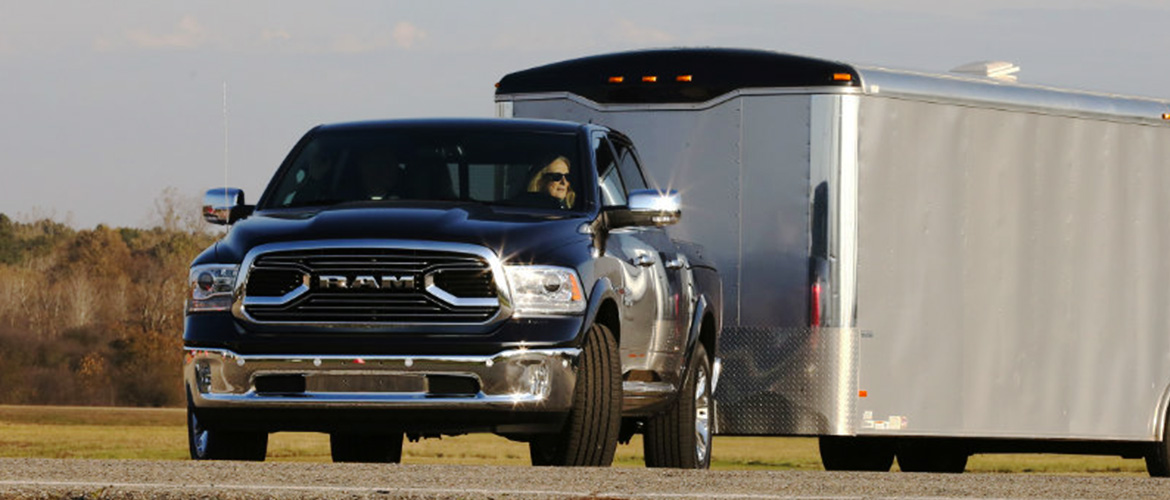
<point x="653" y="336"/>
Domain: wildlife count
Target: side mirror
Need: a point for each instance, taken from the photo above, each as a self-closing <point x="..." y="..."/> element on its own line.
<point x="224" y="206"/>
<point x="648" y="207"/>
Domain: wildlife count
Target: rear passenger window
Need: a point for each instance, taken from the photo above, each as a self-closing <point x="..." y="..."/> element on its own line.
<point x="629" y="166"/>
<point x="613" y="192"/>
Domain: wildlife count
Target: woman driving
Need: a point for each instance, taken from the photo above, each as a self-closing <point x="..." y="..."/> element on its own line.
<point x="552" y="182"/>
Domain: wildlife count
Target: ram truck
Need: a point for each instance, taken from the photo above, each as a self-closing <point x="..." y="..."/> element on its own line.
<point x="421" y="278"/>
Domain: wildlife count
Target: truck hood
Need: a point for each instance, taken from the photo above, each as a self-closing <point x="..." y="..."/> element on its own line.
<point x="520" y="235"/>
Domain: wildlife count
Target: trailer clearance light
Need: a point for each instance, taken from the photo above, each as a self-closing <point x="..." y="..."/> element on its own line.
<point x="617" y="79"/>
<point x="649" y="79"/>
<point x="684" y="78"/>
<point x="842" y="77"/>
<point x="1166" y="116"/>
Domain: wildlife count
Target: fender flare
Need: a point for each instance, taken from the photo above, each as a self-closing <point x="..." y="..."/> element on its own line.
<point x="602" y="291"/>
<point x="693" y="335"/>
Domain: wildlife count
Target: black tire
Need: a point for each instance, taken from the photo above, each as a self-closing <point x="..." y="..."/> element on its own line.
<point x="1158" y="458"/>
<point x="929" y="457"/>
<point x="680" y="437"/>
<point x="211" y="444"/>
<point x="590" y="433"/>
<point x="370" y="448"/>
<point x="856" y="453"/>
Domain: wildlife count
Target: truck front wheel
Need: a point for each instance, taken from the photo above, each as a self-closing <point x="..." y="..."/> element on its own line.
<point x="590" y="434"/>
<point x="680" y="437"/>
<point x="211" y="444"/>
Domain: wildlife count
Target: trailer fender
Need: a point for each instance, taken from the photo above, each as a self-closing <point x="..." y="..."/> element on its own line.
<point x="1158" y="421"/>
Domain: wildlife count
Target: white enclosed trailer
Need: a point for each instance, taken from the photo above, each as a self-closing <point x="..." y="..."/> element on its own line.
<point x="914" y="264"/>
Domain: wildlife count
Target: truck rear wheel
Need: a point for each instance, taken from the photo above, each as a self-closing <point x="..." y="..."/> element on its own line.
<point x="856" y="453"/>
<point x="680" y="437"/>
<point x="211" y="444"/>
<point x="371" y="448"/>
<point x="590" y="434"/>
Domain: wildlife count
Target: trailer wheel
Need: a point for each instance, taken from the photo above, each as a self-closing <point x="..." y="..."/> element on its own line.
<point x="856" y="453"/>
<point x="930" y="457"/>
<point x="680" y="437"/>
<point x="371" y="448"/>
<point x="211" y="444"/>
<point x="1158" y="458"/>
<point x="590" y="434"/>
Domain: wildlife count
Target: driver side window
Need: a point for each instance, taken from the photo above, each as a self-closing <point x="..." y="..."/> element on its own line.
<point x="613" y="192"/>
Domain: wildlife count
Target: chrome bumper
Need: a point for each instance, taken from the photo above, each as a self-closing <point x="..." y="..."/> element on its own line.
<point x="512" y="380"/>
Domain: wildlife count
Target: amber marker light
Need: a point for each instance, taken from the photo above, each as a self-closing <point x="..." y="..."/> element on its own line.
<point x="576" y="294"/>
<point x="617" y="79"/>
<point x="862" y="394"/>
<point x="683" y="78"/>
<point x="1166" y="116"/>
<point x="649" y="79"/>
<point x="842" y="77"/>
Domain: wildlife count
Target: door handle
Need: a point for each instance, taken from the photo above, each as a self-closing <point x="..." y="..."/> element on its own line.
<point x="643" y="260"/>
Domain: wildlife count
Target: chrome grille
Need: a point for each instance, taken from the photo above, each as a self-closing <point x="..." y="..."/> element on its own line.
<point x="267" y="282"/>
<point x="274" y="276"/>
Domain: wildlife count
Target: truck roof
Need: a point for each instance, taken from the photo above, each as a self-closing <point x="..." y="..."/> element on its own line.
<point x="461" y="123"/>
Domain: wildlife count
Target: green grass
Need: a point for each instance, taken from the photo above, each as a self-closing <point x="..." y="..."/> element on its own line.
<point x="133" y="433"/>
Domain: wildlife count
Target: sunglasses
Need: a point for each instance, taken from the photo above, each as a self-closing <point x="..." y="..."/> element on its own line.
<point x="556" y="177"/>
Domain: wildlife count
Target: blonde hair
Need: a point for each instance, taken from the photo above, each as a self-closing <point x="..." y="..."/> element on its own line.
<point x="537" y="183"/>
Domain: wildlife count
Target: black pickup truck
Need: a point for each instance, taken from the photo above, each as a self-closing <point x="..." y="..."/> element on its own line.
<point x="431" y="277"/>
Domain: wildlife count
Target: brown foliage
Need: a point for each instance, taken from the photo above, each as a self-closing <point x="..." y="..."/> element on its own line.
<point x="93" y="317"/>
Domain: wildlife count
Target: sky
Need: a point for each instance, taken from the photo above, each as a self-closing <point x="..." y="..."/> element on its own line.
<point x="104" y="105"/>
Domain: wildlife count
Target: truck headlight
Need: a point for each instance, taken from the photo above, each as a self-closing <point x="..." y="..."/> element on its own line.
<point x="211" y="287"/>
<point x="538" y="290"/>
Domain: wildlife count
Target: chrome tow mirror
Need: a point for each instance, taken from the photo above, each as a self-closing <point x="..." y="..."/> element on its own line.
<point x="649" y="207"/>
<point x="224" y="206"/>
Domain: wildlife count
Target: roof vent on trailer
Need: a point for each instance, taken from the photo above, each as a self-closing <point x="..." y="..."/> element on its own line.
<point x="999" y="70"/>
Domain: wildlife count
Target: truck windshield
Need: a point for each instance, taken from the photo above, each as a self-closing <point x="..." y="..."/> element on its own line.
<point x="517" y="168"/>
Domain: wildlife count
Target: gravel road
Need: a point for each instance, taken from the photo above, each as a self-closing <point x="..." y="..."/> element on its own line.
<point x="39" y="478"/>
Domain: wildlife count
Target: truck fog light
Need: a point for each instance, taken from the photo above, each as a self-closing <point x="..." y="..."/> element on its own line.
<point x="203" y="377"/>
<point x="538" y="380"/>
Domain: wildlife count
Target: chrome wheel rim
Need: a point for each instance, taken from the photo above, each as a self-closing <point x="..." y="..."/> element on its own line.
<point x="702" y="417"/>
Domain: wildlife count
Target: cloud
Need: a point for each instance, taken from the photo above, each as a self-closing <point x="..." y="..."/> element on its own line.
<point x="275" y="35"/>
<point x="628" y="32"/>
<point x="406" y="35"/>
<point x="354" y="44"/>
<point x="403" y="35"/>
<point x="188" y="33"/>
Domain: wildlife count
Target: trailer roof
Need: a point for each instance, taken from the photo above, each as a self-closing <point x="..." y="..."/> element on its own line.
<point x="676" y="75"/>
<point x="704" y="75"/>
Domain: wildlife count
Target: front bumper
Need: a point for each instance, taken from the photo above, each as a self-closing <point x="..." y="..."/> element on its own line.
<point x="515" y="380"/>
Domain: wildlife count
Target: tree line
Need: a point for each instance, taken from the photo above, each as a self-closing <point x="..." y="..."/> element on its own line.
<point x="95" y="316"/>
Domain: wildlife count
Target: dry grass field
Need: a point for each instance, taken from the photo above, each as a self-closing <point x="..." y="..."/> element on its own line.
<point x="138" y="433"/>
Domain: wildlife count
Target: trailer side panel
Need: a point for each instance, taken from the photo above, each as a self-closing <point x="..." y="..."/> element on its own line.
<point x="1012" y="273"/>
